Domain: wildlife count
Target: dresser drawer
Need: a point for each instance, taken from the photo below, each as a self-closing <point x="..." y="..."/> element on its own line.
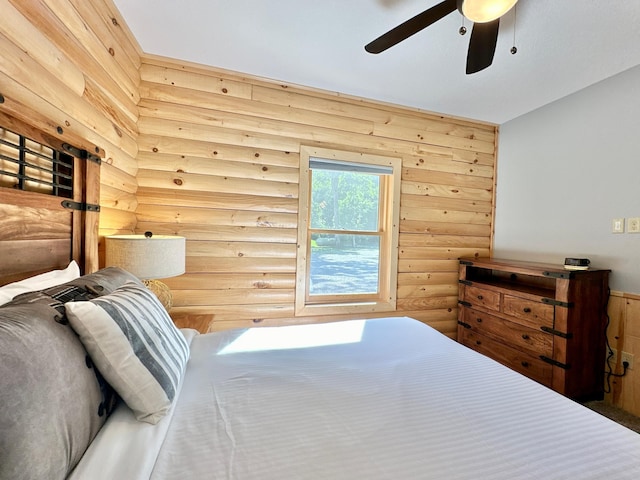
<point x="534" y="341"/>
<point x="482" y="297"/>
<point x="532" y="367"/>
<point x="528" y="312"/>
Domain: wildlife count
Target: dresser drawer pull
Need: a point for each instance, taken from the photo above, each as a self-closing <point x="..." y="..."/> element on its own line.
<point x="552" y="331"/>
<point x="553" y="301"/>
<point x="556" y="363"/>
<point x="479" y="320"/>
<point x="525" y="364"/>
<point x="526" y="310"/>
<point x="478" y="342"/>
<point x="525" y="336"/>
<point x="480" y="297"/>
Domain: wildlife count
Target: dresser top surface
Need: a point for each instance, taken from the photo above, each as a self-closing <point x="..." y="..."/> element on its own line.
<point x="532" y="268"/>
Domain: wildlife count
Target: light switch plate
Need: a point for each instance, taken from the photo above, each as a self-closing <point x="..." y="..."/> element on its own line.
<point x="617" y="225"/>
<point x="633" y="225"/>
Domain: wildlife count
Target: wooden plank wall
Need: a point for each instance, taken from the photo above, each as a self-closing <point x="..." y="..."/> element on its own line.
<point x="624" y="336"/>
<point x="74" y="65"/>
<point x="218" y="163"/>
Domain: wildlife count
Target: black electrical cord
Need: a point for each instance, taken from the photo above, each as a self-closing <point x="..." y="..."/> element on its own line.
<point x="625" y="365"/>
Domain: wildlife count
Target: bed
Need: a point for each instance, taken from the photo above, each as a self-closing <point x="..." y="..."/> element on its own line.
<point x="96" y="382"/>
<point x="379" y="399"/>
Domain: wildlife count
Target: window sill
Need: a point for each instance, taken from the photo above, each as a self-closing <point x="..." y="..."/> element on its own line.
<point x="345" y="308"/>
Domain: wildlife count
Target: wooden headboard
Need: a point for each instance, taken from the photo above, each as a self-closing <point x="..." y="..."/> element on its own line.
<point x="40" y="230"/>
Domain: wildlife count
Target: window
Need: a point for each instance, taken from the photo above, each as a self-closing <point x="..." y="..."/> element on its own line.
<point x="347" y="232"/>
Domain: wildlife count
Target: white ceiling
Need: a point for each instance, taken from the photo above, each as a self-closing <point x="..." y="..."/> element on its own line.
<point x="563" y="46"/>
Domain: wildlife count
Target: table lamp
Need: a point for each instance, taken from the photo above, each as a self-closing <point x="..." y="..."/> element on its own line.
<point x="148" y="257"/>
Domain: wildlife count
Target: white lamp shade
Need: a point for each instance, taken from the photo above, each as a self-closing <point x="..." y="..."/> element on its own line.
<point x="158" y="256"/>
<point x="482" y="11"/>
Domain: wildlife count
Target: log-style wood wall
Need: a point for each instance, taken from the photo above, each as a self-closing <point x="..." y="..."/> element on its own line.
<point x="218" y="163"/>
<point x="74" y="65"/>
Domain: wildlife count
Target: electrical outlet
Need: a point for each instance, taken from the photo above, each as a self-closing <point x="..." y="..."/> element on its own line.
<point x="627" y="357"/>
<point x="633" y="225"/>
<point x="617" y="225"/>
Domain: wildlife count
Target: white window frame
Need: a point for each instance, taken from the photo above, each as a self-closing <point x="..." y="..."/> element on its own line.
<point x="385" y="301"/>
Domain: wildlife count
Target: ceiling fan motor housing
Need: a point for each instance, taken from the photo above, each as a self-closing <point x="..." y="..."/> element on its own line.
<point x="482" y="11"/>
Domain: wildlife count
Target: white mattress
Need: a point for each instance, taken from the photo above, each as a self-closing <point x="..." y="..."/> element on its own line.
<point x="400" y="401"/>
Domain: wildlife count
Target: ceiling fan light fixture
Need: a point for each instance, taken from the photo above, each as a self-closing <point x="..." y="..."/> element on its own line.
<point x="482" y="11"/>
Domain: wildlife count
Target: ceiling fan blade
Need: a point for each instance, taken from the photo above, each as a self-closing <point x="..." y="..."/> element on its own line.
<point x="411" y="26"/>
<point x="482" y="45"/>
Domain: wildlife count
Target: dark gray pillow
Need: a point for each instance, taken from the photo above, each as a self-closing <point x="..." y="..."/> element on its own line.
<point x="87" y="287"/>
<point x="50" y="397"/>
<point x="52" y="400"/>
<point x="102" y="282"/>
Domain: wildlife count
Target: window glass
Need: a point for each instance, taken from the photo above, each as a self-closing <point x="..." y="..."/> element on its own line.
<point x="344" y="200"/>
<point x="344" y="264"/>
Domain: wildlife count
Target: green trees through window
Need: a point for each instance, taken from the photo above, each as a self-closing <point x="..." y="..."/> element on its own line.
<point x="345" y="200"/>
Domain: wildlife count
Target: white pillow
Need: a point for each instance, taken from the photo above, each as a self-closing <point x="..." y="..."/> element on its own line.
<point x="135" y="345"/>
<point x="39" y="282"/>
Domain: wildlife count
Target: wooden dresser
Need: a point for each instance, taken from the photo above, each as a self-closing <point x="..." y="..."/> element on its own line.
<point x="541" y="320"/>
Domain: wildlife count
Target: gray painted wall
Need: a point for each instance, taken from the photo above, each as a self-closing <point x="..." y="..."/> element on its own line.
<point x="565" y="171"/>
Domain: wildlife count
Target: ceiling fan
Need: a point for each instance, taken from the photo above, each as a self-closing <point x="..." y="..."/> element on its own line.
<point x="484" y="13"/>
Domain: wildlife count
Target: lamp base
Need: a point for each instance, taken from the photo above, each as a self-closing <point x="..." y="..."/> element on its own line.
<point x="161" y="290"/>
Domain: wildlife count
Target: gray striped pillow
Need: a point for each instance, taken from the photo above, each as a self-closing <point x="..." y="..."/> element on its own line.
<point x="135" y="345"/>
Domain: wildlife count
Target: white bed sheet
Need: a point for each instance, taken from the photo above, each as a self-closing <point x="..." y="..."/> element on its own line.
<point x="399" y="401"/>
<point x="124" y="447"/>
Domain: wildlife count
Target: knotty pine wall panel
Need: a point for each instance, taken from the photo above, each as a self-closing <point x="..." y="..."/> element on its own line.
<point x="218" y="162"/>
<point x="623" y="334"/>
<point x="74" y="64"/>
